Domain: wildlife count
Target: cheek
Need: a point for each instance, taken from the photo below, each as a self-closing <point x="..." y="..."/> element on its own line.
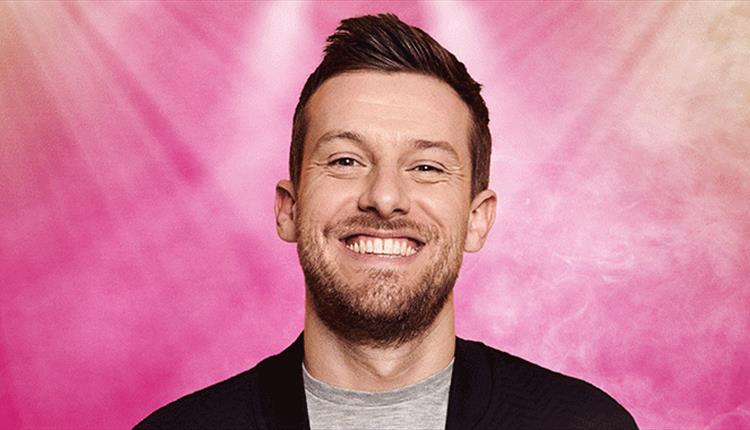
<point x="323" y="205"/>
<point x="447" y="208"/>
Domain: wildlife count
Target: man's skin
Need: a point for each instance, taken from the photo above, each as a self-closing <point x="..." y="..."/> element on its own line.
<point x="394" y="146"/>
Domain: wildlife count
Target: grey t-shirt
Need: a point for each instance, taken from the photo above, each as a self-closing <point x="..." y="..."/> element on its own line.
<point x="420" y="406"/>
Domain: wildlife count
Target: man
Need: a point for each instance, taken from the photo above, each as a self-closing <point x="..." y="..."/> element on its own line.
<point x="389" y="167"/>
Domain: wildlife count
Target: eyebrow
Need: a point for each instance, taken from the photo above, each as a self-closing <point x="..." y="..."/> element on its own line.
<point x="359" y="140"/>
<point x="347" y="135"/>
<point x="437" y="144"/>
<point x="340" y="134"/>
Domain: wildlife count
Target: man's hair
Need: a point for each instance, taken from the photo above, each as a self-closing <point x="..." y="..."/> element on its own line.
<point x="386" y="44"/>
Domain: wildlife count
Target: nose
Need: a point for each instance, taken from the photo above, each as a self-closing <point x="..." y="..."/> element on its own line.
<point x="385" y="194"/>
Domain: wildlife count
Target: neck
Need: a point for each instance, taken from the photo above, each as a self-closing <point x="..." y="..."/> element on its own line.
<point x="337" y="362"/>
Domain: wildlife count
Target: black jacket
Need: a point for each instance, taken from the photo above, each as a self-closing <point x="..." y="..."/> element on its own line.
<point x="489" y="389"/>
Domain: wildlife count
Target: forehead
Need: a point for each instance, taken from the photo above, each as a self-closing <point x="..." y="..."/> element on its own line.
<point x="389" y="108"/>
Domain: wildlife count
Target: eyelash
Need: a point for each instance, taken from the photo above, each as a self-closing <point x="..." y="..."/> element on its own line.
<point x="351" y="162"/>
<point x="429" y="169"/>
<point x="339" y="162"/>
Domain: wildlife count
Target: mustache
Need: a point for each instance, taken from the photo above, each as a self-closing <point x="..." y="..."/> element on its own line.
<point x="368" y="221"/>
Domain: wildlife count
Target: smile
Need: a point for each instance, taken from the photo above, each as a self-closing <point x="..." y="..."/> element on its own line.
<point x="391" y="246"/>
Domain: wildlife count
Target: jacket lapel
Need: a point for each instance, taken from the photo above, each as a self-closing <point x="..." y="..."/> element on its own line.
<point x="281" y="390"/>
<point x="471" y="387"/>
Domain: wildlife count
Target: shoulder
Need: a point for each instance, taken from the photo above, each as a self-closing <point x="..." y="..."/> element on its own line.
<point x="549" y="399"/>
<point x="222" y="405"/>
<point x="270" y="392"/>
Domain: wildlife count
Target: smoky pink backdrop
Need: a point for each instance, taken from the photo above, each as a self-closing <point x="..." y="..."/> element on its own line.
<point x="140" y="143"/>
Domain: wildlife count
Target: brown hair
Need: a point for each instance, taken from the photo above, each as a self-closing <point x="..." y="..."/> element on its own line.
<point x="385" y="43"/>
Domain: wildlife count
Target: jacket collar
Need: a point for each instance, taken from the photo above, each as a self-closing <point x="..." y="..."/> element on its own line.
<point x="282" y="391"/>
<point x="471" y="387"/>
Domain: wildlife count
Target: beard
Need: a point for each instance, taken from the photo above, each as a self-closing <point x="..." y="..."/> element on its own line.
<point x="381" y="309"/>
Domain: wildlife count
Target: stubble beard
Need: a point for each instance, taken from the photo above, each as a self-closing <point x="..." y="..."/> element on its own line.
<point x="381" y="309"/>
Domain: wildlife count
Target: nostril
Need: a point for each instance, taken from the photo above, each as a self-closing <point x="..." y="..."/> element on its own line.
<point x="384" y="195"/>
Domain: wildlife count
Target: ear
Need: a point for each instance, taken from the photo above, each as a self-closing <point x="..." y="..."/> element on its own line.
<point x="286" y="208"/>
<point x="481" y="218"/>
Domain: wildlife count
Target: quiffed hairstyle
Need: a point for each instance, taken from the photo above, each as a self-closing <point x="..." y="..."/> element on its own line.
<point x="385" y="43"/>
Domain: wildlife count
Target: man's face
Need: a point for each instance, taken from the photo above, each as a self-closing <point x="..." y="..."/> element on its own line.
<point x="383" y="206"/>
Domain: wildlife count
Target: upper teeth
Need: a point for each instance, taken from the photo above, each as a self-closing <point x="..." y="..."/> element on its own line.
<point x="382" y="246"/>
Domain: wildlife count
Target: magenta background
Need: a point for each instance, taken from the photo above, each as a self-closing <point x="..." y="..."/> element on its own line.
<point x="140" y="143"/>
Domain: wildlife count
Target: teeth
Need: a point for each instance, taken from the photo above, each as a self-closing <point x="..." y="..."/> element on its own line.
<point x="388" y="246"/>
<point x="380" y="246"/>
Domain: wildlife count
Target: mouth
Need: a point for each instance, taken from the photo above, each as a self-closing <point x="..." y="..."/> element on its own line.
<point x="384" y="245"/>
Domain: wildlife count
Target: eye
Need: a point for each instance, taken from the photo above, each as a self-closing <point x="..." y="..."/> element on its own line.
<point x="428" y="168"/>
<point x="344" y="162"/>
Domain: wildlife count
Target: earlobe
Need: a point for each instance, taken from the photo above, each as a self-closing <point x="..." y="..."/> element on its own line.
<point x="285" y="209"/>
<point x="481" y="219"/>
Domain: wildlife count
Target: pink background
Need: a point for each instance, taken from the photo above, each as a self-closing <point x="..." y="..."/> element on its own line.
<point x="140" y="143"/>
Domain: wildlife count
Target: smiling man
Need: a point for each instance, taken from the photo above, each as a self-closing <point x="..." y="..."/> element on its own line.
<point x="389" y="167"/>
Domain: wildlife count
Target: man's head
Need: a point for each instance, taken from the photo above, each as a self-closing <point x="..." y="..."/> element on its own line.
<point x="384" y="197"/>
<point x="383" y="43"/>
